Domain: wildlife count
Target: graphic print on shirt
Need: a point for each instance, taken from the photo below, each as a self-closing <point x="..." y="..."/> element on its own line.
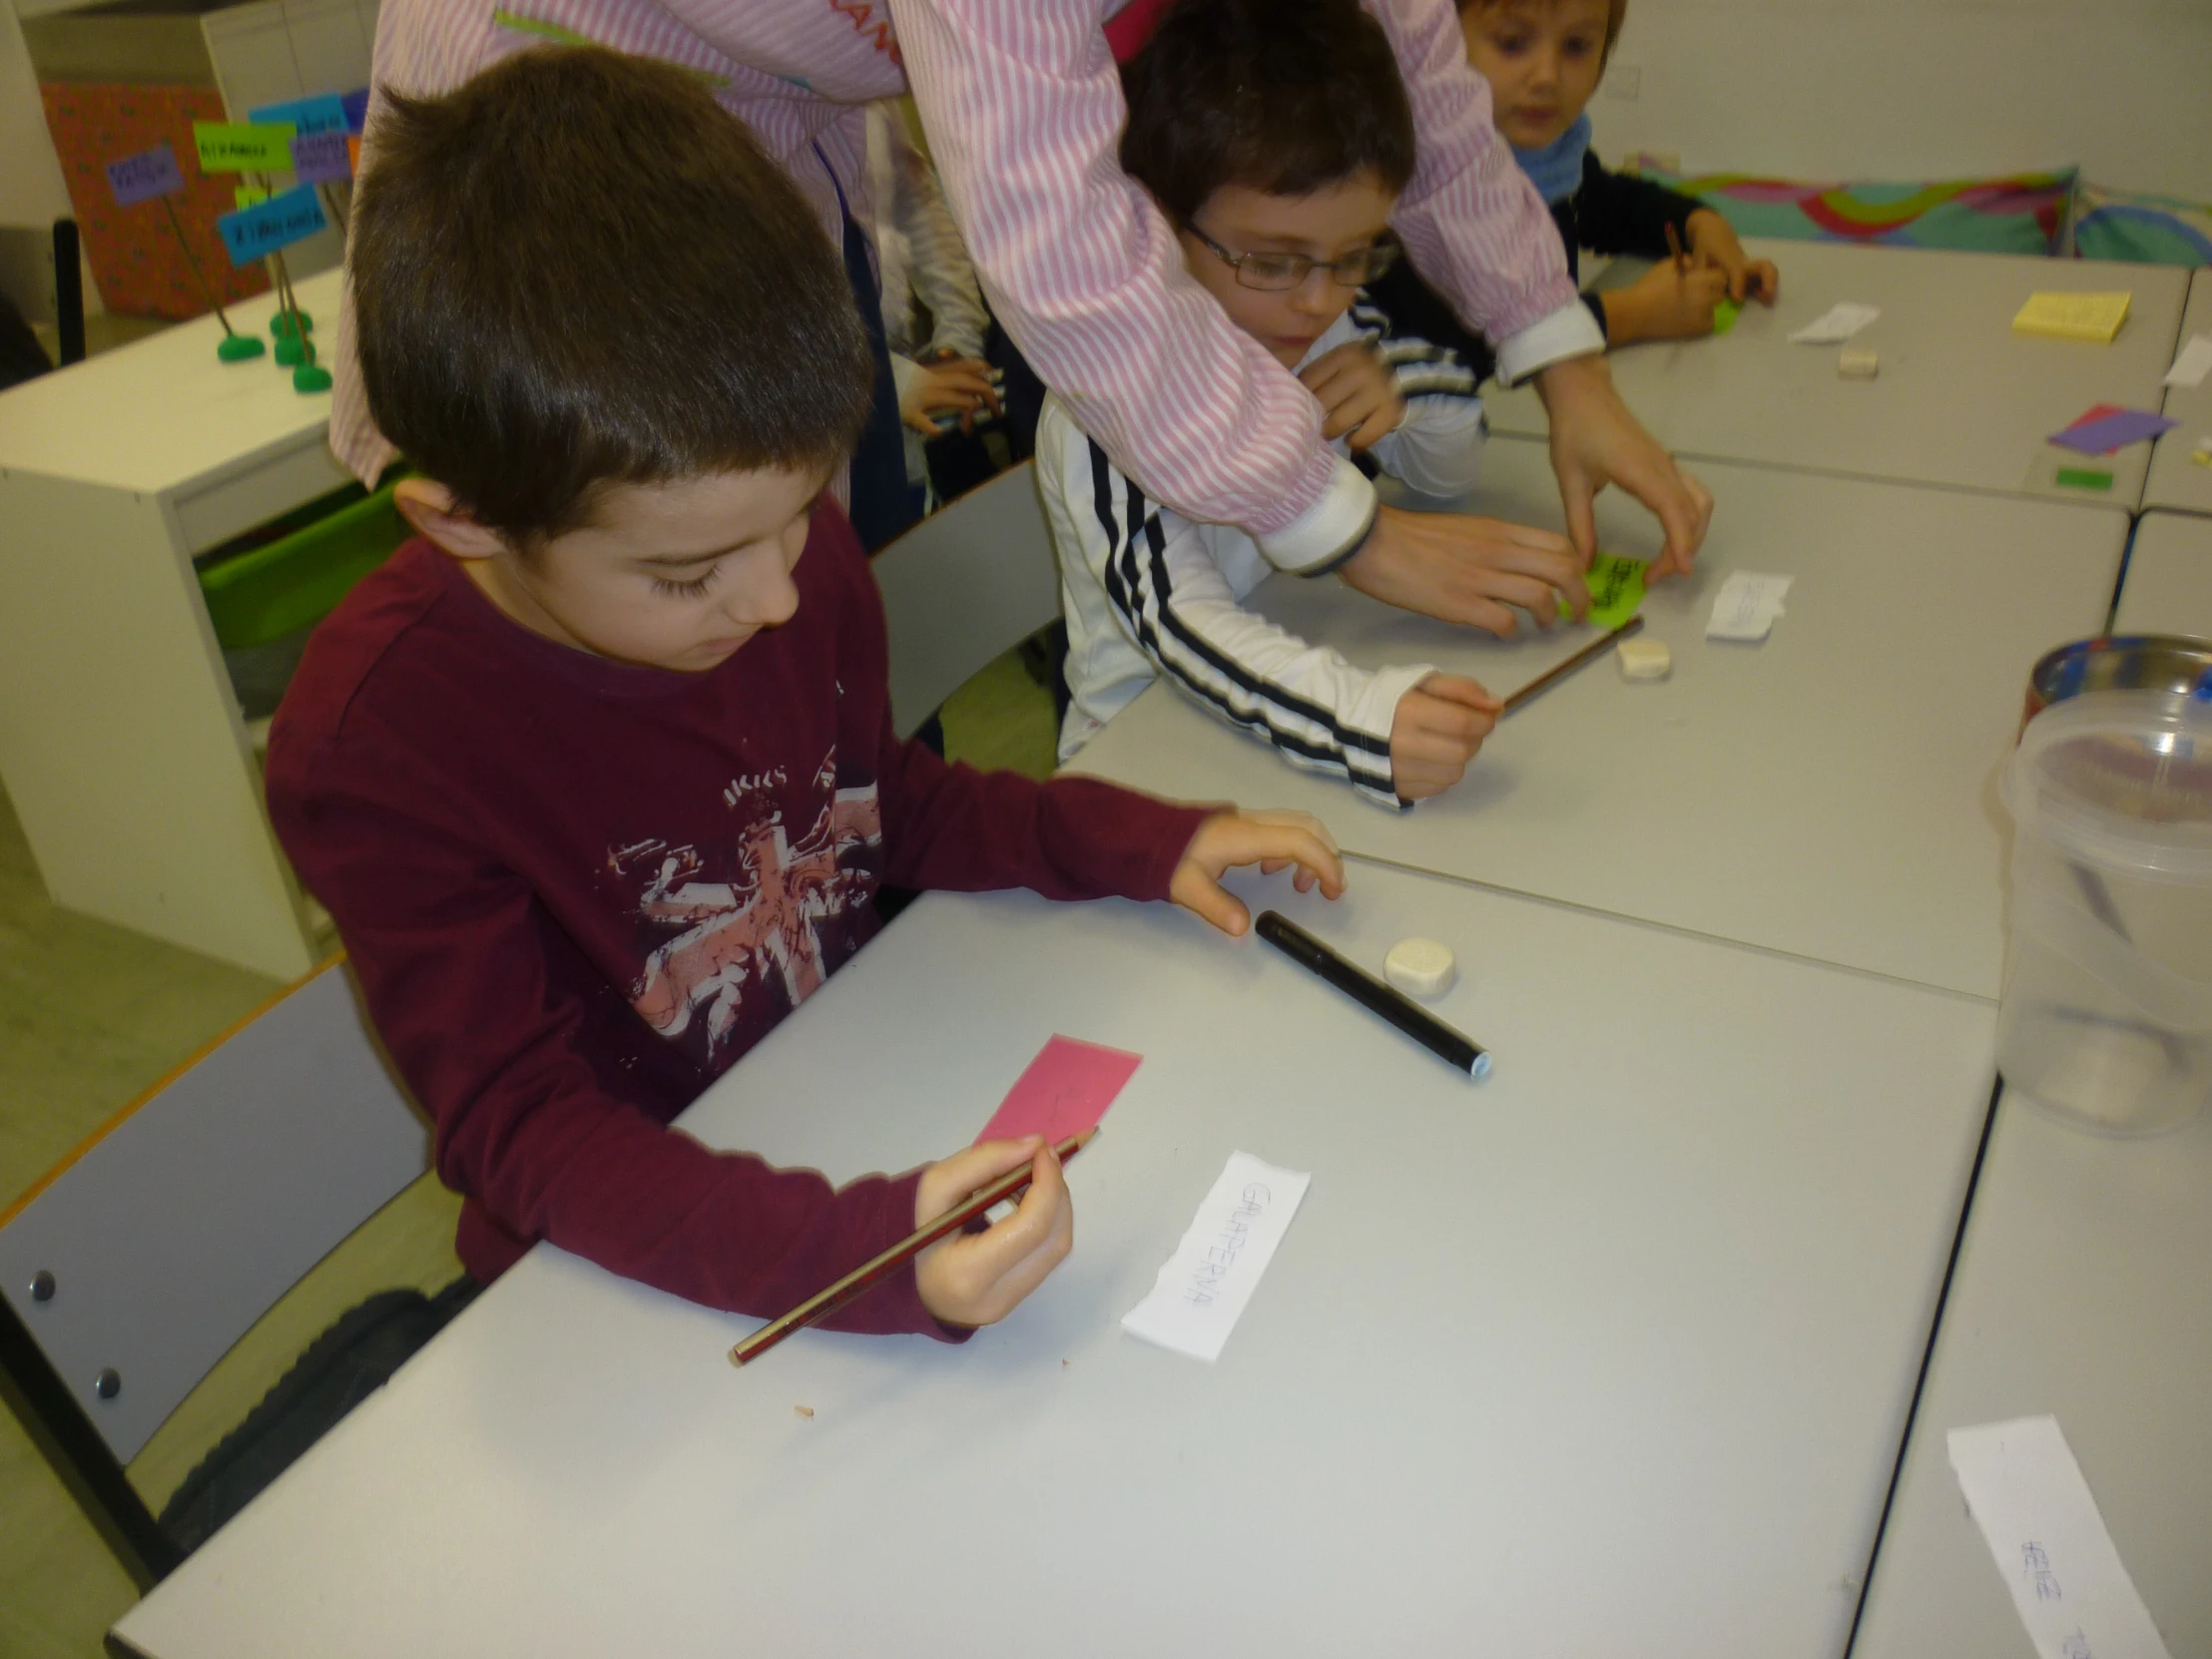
<point x="764" y="927"/>
<point x="870" y="26"/>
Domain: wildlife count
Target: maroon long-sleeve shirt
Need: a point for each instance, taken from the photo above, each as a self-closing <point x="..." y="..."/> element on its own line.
<point x="577" y="891"/>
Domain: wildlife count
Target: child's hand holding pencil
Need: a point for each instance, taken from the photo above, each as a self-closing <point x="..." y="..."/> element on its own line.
<point x="964" y="1277"/>
<point x="980" y="1277"/>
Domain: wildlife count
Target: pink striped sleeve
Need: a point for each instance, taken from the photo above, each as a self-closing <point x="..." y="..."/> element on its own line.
<point x="1024" y="110"/>
<point x="1475" y="225"/>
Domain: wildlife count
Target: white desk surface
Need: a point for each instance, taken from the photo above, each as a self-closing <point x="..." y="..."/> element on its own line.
<point x="2169" y="577"/>
<point x="164" y="412"/>
<point x="2080" y="1293"/>
<point x="2175" y="480"/>
<point x="1610" y="1353"/>
<point x="1829" y="793"/>
<point x="1961" y="400"/>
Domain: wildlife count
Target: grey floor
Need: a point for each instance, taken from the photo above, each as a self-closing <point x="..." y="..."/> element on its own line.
<point x="91" y="1016"/>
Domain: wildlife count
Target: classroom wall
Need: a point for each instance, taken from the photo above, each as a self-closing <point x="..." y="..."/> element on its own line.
<point x="1920" y="89"/>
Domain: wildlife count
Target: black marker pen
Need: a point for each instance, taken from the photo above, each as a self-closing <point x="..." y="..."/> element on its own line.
<point x="1461" y="1053"/>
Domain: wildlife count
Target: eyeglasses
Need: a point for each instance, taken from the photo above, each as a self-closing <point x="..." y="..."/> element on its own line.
<point x="1276" y="272"/>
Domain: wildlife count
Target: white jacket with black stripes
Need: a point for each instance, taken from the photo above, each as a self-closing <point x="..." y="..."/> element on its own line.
<point x="1147" y="591"/>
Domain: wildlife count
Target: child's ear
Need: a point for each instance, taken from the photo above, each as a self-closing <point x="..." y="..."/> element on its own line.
<point x="429" y="506"/>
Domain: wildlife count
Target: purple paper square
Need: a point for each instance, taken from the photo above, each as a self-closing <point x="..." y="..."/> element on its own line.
<point x="143" y="177"/>
<point x="2113" y="431"/>
<point x="320" y="158"/>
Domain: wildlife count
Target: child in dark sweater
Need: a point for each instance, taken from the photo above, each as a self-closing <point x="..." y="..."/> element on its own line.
<point x="1543" y="60"/>
<point x="597" y="775"/>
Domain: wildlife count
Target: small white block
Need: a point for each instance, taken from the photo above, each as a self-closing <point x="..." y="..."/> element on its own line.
<point x="1644" y="659"/>
<point x="1858" y="362"/>
<point x="1420" y="967"/>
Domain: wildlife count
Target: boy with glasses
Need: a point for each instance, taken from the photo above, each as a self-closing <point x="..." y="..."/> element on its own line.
<point x="1276" y="137"/>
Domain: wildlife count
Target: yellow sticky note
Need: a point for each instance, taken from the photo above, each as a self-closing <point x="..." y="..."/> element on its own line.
<point x="2089" y="316"/>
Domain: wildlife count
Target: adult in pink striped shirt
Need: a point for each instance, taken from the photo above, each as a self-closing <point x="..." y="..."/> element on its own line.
<point x="1024" y="108"/>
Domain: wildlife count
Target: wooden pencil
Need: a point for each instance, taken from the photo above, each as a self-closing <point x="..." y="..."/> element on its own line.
<point x="1597" y="646"/>
<point x="868" y="1275"/>
<point x="1674" y="249"/>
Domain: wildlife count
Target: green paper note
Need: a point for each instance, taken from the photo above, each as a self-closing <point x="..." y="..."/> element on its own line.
<point x="2084" y="478"/>
<point x="1616" y="590"/>
<point x="1725" y="316"/>
<point x="243" y="145"/>
<point x="247" y="196"/>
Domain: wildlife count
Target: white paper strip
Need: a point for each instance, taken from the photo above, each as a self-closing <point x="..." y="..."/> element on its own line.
<point x="1746" y="606"/>
<point x="1201" y="1293"/>
<point x="2191" y="364"/>
<point x="2034" y="1510"/>
<point x="1837" y="325"/>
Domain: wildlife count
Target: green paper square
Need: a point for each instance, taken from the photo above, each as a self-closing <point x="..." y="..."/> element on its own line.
<point x="1616" y="590"/>
<point x="2084" y="478"/>
<point x="1725" y="316"/>
<point x="243" y="146"/>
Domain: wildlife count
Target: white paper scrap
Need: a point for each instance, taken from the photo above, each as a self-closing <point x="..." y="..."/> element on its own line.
<point x="2192" y="363"/>
<point x="1746" y="606"/>
<point x="1837" y="325"/>
<point x="2036" y="1512"/>
<point x="1201" y="1293"/>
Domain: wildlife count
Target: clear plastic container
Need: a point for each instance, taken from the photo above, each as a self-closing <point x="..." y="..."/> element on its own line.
<point x="2106" y="1013"/>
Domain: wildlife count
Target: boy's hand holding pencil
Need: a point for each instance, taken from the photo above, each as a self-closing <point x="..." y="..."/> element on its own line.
<point x="1435" y="729"/>
<point x="964" y="1277"/>
<point x="1713" y="243"/>
<point x="980" y="1277"/>
<point x="1674" y="300"/>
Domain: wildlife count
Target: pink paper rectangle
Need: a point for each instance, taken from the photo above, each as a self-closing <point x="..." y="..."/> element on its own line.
<point x="1065" y="1091"/>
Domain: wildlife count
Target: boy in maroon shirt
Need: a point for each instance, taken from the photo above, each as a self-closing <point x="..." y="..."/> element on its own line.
<point x="597" y="777"/>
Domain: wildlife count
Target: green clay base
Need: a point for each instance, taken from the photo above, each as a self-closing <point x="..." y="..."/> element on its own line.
<point x="288" y="351"/>
<point x="281" y="324"/>
<point x="311" y="377"/>
<point x="237" y="348"/>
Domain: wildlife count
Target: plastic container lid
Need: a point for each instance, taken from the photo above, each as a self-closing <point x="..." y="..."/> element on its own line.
<point x="2122" y="779"/>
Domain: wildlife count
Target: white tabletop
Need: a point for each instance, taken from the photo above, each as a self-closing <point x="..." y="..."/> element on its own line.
<point x="1828" y="793"/>
<point x="2176" y="481"/>
<point x="2169" y="577"/>
<point x="1961" y="400"/>
<point x="2081" y="1292"/>
<point x="1609" y="1354"/>
<point x="164" y="411"/>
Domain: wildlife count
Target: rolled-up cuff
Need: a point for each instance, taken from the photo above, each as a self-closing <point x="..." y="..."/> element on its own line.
<point x="1331" y="531"/>
<point x="1569" y="331"/>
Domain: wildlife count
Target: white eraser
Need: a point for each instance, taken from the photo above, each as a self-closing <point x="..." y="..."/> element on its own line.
<point x="1858" y="362"/>
<point x="1644" y="659"/>
<point x="1420" y="967"/>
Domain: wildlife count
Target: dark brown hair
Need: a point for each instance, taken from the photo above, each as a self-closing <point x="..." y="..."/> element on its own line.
<point x="1279" y="96"/>
<point x="1616" y="12"/>
<point x="577" y="270"/>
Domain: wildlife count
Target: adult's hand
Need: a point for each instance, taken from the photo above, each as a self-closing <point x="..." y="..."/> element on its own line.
<point x="1595" y="441"/>
<point x="1468" y="570"/>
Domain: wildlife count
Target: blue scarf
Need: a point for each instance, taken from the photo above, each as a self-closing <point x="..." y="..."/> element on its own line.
<point x="1556" y="168"/>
